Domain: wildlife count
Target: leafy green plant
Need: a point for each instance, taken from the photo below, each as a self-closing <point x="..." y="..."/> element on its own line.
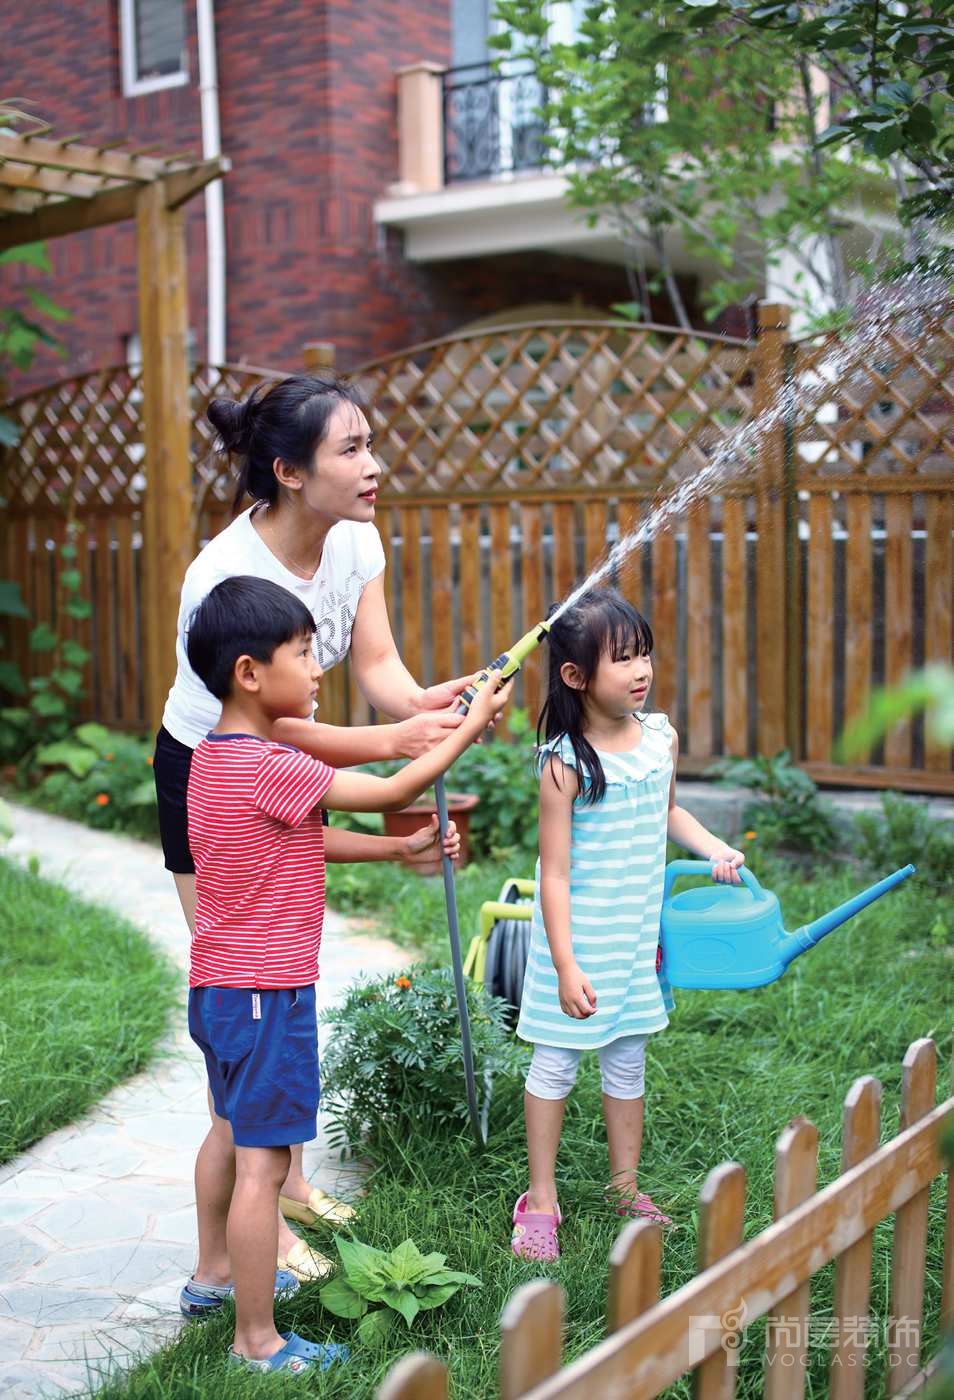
<point x="787" y="810"/>
<point x="905" y="831"/>
<point x="11" y="605"/>
<point x="393" y="1062"/>
<point x="22" y="334"/>
<point x="54" y="696"/>
<point x="100" y="777"/>
<point x="503" y="775"/>
<point x="403" y="1280"/>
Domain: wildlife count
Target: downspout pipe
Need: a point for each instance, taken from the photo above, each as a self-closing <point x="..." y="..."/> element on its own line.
<point x="214" y="194"/>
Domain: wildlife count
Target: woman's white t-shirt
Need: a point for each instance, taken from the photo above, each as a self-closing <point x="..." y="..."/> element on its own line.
<point x="351" y="557"/>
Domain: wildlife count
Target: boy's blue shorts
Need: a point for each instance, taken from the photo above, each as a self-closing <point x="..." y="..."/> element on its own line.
<point x="263" y="1069"/>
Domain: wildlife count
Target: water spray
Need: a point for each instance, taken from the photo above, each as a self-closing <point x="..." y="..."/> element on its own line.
<point x="500" y="670"/>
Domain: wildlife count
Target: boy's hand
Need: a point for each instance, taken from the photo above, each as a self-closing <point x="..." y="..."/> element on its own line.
<point x="488" y="702"/>
<point x="725" y="863"/>
<point x="577" y="997"/>
<point x="422" y="845"/>
<point x="423" y="732"/>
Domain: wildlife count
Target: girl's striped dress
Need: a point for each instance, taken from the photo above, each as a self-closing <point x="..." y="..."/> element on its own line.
<point x="617" y="868"/>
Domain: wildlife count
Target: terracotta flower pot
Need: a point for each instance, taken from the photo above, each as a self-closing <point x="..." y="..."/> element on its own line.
<point x="411" y="819"/>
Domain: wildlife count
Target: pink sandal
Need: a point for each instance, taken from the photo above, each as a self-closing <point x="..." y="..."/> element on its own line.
<point x="639" y="1207"/>
<point x="534" y="1234"/>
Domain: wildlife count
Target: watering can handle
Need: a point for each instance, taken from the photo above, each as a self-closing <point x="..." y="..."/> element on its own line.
<point x="675" y="868"/>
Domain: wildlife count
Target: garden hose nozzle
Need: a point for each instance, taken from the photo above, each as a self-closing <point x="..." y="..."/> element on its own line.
<point x="507" y="664"/>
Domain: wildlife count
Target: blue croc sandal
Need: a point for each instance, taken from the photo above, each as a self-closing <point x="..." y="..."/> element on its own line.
<point x="296" y="1356"/>
<point x="204" y="1299"/>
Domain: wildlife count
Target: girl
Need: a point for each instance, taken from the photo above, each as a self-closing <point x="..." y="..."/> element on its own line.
<point x="607" y="805"/>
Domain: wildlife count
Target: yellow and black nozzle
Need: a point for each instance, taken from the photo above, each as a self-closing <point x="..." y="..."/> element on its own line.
<point x="507" y="664"/>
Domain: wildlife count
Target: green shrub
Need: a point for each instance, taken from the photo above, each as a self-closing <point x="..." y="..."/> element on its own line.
<point x="503" y="775"/>
<point x="787" y="811"/>
<point x="905" y="831"/>
<point x="100" y="777"/>
<point x="393" y="1064"/>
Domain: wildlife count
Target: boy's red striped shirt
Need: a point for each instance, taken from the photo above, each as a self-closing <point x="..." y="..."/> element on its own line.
<point x="257" y="841"/>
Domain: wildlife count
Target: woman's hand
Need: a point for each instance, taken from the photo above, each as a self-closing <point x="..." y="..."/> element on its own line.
<point x="448" y="693"/>
<point x="577" y="997"/>
<point x="423" y="845"/>
<point x="725" y="863"/>
<point x="422" y="732"/>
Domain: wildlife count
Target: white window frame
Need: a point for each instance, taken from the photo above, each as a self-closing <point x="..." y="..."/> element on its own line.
<point x="133" y="86"/>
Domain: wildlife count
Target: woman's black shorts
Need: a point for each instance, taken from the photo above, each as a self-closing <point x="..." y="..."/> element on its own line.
<point x="170" y="766"/>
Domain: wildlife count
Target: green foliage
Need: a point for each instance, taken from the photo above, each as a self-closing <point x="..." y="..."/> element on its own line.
<point x="404" y="1280"/>
<point x="503" y="775"/>
<point x="93" y="999"/>
<point x="98" y="776"/>
<point x="393" y="1066"/>
<point x="929" y="691"/>
<point x="51" y="699"/>
<point x="21" y="332"/>
<point x="905" y="831"/>
<point x="787" y="810"/>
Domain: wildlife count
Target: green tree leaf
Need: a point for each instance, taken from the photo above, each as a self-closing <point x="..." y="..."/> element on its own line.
<point x="43" y="637"/>
<point x="11" y="599"/>
<point x="375" y="1328"/>
<point x="341" y="1299"/>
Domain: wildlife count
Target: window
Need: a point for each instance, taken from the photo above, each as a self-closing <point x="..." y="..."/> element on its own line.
<point x="152" y="41"/>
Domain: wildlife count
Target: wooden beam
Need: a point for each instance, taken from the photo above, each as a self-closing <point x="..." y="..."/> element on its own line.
<point x="14" y="175"/>
<point x="69" y="216"/>
<point x="183" y="184"/>
<point x="168" y="543"/>
<point x="84" y="160"/>
<point x="18" y="201"/>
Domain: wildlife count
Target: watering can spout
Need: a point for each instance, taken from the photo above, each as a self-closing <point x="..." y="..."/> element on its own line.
<point x="809" y="934"/>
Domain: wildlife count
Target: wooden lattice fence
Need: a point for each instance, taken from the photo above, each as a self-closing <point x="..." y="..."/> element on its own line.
<point x="701" y="1327"/>
<point x="514" y="456"/>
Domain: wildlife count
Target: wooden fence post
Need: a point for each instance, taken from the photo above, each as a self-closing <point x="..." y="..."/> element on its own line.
<point x="415" y="1377"/>
<point x="167" y="531"/>
<point x="318" y="357"/>
<point x="796" y="1178"/>
<point x="721" y="1218"/>
<point x="861" y="1135"/>
<point x="776" y="725"/>
<point x="909" y="1246"/>
<point x="531" y="1338"/>
<point x="634" y="1272"/>
<point x="947" y="1266"/>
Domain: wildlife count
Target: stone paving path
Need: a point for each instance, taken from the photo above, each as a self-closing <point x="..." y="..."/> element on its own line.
<point x="97" y="1230"/>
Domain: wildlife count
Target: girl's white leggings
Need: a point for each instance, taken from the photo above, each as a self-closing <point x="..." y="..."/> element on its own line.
<point x="553" y="1069"/>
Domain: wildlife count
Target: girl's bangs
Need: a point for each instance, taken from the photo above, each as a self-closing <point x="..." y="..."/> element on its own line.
<point x="627" y="632"/>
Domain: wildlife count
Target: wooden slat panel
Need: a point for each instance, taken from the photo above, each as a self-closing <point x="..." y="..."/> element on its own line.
<point x="664" y="624"/>
<point x="735" y="737"/>
<point x="858" y="611"/>
<point x="819" y="729"/>
<point x="939" y="582"/>
<point x="128" y="660"/>
<point x="470" y="640"/>
<point x="501" y="586"/>
<point x="721" y="1219"/>
<point x="594" y="533"/>
<point x="442" y="590"/>
<point x="84" y="626"/>
<point x="18" y="565"/>
<point x="415" y="1377"/>
<point x="531" y="1340"/>
<point x="770" y="624"/>
<point x="634" y="1272"/>
<point x="860" y="1137"/>
<point x="41" y="605"/>
<point x="630" y="582"/>
<point x="786" y="1344"/>
<point x="898" y="609"/>
<point x="413" y="628"/>
<point x="531" y="569"/>
<point x="909" y="1247"/>
<point x="699" y="622"/>
<point x="564" y="563"/>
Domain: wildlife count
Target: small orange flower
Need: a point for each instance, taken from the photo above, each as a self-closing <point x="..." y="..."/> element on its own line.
<point x="402" y="982"/>
<point x="751" y="835"/>
<point x="102" y="799"/>
<point x="109" y="757"/>
<point x="149" y="760"/>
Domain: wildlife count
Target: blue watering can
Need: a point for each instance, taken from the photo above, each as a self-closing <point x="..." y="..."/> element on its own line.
<point x="719" y="935"/>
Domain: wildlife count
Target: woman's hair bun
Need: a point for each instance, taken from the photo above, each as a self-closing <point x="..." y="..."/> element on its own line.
<point x="231" y="422"/>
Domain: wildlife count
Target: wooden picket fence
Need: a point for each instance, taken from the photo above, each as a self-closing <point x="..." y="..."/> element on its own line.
<point x="700" y="1328"/>
<point x="513" y="457"/>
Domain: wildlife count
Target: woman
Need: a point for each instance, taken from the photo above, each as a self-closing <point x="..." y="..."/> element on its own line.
<point x="303" y="447"/>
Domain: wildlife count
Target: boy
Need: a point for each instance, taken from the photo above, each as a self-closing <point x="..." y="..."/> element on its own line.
<point x="255" y="829"/>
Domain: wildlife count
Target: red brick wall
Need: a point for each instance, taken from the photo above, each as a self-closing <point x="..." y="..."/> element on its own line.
<point x="308" y="104"/>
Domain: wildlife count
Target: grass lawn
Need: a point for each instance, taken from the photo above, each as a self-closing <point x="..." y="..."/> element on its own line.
<point x="723" y="1081"/>
<point x="86" y="1000"/>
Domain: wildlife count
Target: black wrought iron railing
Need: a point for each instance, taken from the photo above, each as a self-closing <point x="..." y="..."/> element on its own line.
<point x="492" y="122"/>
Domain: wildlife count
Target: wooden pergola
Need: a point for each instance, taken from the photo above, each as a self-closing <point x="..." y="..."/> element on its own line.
<point x="50" y="188"/>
